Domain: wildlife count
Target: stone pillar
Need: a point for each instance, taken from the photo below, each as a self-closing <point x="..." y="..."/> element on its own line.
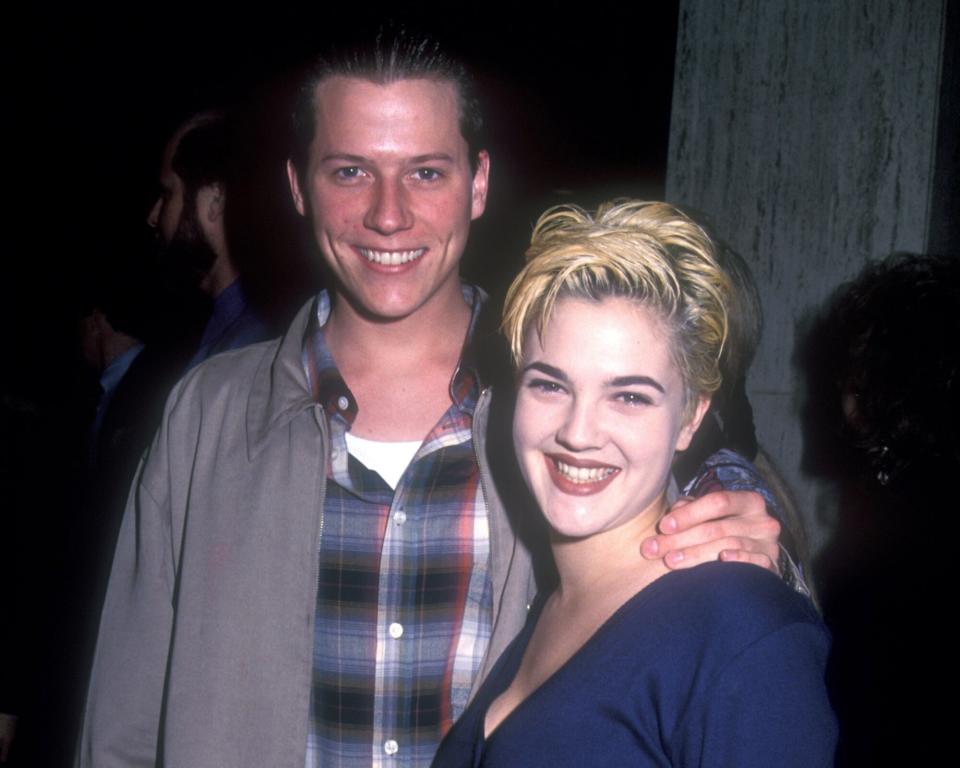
<point x="807" y="132"/>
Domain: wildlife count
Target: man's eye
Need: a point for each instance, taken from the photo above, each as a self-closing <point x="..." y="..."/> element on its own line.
<point x="427" y="174"/>
<point x="348" y="172"/>
<point x="634" y="398"/>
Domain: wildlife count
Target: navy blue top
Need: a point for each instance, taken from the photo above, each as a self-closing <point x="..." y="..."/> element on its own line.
<point x="719" y="665"/>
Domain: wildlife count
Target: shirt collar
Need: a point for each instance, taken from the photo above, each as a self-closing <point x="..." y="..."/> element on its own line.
<point x="229" y="304"/>
<point x="328" y="388"/>
<point x="118" y="367"/>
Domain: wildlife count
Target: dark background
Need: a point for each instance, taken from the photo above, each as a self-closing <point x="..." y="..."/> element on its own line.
<point x="578" y="109"/>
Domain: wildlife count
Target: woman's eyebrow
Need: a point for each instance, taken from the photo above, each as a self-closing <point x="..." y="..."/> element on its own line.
<point x="631" y="381"/>
<point x="547" y="369"/>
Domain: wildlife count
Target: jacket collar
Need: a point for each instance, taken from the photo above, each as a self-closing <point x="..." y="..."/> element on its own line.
<point x="279" y="389"/>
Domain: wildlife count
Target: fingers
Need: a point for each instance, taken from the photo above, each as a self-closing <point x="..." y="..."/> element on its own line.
<point x="728" y="548"/>
<point x="730" y="533"/>
<point x="754" y="558"/>
<point x="727" y="525"/>
<point x="687" y="513"/>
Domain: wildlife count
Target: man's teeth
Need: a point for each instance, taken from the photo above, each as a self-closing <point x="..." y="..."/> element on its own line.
<point x="391" y="258"/>
<point x="584" y="474"/>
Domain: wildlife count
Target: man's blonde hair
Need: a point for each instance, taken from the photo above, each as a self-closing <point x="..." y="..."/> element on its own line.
<point x="646" y="251"/>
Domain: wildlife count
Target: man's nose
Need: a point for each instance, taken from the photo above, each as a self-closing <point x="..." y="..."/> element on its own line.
<point x="389" y="210"/>
<point x="580" y="429"/>
<point x="153" y="218"/>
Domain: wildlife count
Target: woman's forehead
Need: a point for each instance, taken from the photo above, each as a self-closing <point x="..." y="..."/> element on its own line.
<point x="603" y="338"/>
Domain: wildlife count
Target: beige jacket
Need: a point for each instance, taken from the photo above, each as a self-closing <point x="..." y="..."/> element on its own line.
<point x="206" y="638"/>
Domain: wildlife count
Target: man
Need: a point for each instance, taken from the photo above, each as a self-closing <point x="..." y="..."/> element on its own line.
<point x="189" y="216"/>
<point x="277" y="600"/>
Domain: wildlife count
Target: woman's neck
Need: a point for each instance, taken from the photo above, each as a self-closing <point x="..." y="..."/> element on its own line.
<point x="608" y="563"/>
<point x="598" y="574"/>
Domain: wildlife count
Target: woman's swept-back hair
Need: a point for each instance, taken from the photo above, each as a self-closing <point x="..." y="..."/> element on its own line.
<point x="645" y="251"/>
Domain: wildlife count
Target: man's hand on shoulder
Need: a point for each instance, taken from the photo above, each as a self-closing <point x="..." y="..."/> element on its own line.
<point x="723" y="525"/>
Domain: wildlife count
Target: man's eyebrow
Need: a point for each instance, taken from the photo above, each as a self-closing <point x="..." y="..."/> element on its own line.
<point x="547" y="369"/>
<point x="631" y="381"/>
<point x="342" y="157"/>
<point x="433" y="157"/>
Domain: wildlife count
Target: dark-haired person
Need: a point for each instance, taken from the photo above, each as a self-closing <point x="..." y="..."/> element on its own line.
<point x="882" y="426"/>
<point x="189" y="217"/>
<point x="316" y="566"/>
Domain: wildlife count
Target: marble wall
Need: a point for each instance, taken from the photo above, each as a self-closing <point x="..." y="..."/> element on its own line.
<point x="807" y="131"/>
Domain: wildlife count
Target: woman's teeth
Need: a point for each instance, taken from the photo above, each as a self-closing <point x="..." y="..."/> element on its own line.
<point x="584" y="474"/>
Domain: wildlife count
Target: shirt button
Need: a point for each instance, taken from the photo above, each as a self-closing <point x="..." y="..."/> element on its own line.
<point x="390" y="747"/>
<point x="343" y="403"/>
<point x="399" y="517"/>
<point x="396" y="630"/>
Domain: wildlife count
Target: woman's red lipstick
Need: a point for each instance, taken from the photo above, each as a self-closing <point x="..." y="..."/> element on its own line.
<point x="583" y="486"/>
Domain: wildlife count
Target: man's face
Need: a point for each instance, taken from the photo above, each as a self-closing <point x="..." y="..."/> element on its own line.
<point x="183" y="249"/>
<point x="390" y="193"/>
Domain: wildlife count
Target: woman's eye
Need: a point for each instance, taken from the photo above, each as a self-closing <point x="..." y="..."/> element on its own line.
<point x="544" y="385"/>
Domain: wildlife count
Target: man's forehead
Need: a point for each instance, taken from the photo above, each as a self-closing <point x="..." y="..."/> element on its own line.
<point x="369" y="90"/>
<point x="415" y="113"/>
<point x="340" y="99"/>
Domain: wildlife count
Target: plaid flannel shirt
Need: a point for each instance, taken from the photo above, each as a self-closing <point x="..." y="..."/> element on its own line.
<point x="404" y="597"/>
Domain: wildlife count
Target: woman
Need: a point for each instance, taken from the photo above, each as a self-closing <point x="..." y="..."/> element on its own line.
<point x="616" y="325"/>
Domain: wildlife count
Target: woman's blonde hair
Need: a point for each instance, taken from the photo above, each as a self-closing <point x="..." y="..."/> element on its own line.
<point x="646" y="251"/>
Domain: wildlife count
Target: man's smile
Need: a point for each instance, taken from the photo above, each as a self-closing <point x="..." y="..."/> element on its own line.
<point x="391" y="258"/>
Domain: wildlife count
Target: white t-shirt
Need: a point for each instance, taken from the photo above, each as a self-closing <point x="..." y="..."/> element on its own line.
<point x="389" y="460"/>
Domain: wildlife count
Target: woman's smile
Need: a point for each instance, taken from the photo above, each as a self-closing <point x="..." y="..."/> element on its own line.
<point x="579" y="477"/>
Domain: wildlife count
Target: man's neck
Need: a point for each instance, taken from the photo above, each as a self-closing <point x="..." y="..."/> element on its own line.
<point x="399" y="371"/>
<point x="436" y="330"/>
<point x="220" y="277"/>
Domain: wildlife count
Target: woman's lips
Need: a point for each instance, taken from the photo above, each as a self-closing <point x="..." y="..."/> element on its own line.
<point x="579" y="477"/>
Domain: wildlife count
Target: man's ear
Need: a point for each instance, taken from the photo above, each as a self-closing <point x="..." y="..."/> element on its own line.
<point x="688" y="430"/>
<point x="480" y="181"/>
<point x="212" y="200"/>
<point x="295" y="192"/>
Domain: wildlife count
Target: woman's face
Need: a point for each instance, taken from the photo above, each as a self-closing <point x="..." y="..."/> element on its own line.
<point x="599" y="414"/>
